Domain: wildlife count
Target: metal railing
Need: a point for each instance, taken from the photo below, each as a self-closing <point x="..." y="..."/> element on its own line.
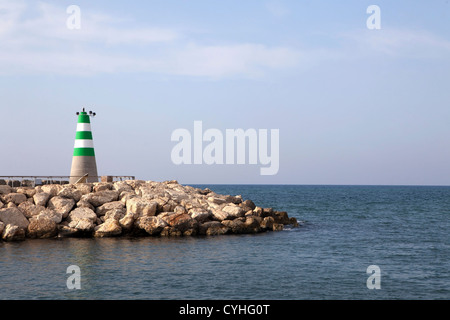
<point x="32" y="181"/>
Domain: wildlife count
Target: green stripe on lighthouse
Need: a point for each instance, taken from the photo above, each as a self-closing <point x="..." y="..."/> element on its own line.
<point x="84" y="135"/>
<point x="83" y="152"/>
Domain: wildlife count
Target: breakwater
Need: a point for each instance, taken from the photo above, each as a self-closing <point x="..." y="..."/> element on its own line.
<point x="129" y="208"/>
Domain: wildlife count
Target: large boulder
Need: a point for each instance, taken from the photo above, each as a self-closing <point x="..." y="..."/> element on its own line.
<point x="181" y="222"/>
<point x="14" y="217"/>
<point x="242" y="225"/>
<point x="212" y="228"/>
<point x="41" y="198"/>
<point x="82" y="213"/>
<point x="52" y="215"/>
<point x="42" y="227"/>
<point x="70" y="192"/>
<point x="151" y="224"/>
<point x="13" y="233"/>
<point x="61" y="205"/>
<point x="115" y="214"/>
<point x="142" y="207"/>
<point x="51" y="189"/>
<point x="200" y="214"/>
<point x="5" y="189"/>
<point x="16" y="198"/>
<point x="233" y="211"/>
<point x="100" y="198"/>
<point x="83" y="225"/>
<point x="109" y="228"/>
<point x="128" y="220"/>
<point x="115" y="205"/>
<point x="281" y="217"/>
<point x="30" y="210"/>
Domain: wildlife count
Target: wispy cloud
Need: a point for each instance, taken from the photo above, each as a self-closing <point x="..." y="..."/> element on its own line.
<point x="396" y="43"/>
<point x="35" y="39"/>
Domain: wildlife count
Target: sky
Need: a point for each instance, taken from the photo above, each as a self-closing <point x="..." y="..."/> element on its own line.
<point x="352" y="104"/>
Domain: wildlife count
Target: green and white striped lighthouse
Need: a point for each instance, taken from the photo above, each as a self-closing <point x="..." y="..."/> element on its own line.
<point x="83" y="161"/>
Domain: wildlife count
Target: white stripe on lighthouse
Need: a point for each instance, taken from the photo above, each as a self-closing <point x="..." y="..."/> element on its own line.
<point x="83" y="127"/>
<point x="84" y="143"/>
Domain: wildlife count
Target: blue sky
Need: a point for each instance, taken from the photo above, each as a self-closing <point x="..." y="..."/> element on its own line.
<point x="353" y="105"/>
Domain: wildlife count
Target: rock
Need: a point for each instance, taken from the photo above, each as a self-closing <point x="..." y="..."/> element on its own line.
<point x="172" y="232"/>
<point x="249" y="203"/>
<point x="277" y="227"/>
<point x="169" y="206"/>
<point x="109" y="228"/>
<point x="267" y="212"/>
<point x="122" y="186"/>
<point x="181" y="222"/>
<point x="124" y="196"/>
<point x="42" y="227"/>
<point x="281" y="217"/>
<point x="99" y="198"/>
<point x="179" y="209"/>
<point x="61" y="205"/>
<point x="51" y="189"/>
<point x="216" y="200"/>
<point x="83" y="203"/>
<point x="101" y="186"/>
<point x="293" y="221"/>
<point x="115" y="205"/>
<point x="2" y="227"/>
<point x="84" y="225"/>
<point x="220" y="215"/>
<point x="66" y="231"/>
<point x="115" y="214"/>
<point x="267" y="223"/>
<point x="252" y="224"/>
<point x="233" y="211"/>
<point x="236" y="225"/>
<point x="151" y="224"/>
<point x="258" y="211"/>
<point x="13" y="233"/>
<point x="82" y="213"/>
<point x="30" y="210"/>
<point x="200" y="214"/>
<point x="16" y="198"/>
<point x="212" y="228"/>
<point x="29" y="192"/>
<point x="5" y="189"/>
<point x="70" y="192"/>
<point x="128" y="220"/>
<point x="141" y="207"/>
<point x="234" y="199"/>
<point x="41" y="199"/>
<point x="14" y="217"/>
<point x="1" y="204"/>
<point x="84" y="188"/>
<point x="52" y="215"/>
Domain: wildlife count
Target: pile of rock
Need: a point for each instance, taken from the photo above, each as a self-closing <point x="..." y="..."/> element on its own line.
<point x="133" y="207"/>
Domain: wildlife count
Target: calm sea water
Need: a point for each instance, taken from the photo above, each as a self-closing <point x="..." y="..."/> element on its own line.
<point x="345" y="229"/>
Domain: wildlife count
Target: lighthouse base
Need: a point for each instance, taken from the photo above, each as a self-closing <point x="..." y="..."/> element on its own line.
<point x="82" y="165"/>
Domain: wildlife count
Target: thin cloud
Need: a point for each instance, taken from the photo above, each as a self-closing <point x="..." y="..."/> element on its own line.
<point x="397" y="43"/>
<point x="43" y="44"/>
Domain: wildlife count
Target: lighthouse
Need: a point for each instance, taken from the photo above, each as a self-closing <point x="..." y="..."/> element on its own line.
<point x="83" y="161"/>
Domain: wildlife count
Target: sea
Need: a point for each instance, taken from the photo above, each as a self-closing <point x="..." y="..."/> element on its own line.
<point x="353" y="243"/>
